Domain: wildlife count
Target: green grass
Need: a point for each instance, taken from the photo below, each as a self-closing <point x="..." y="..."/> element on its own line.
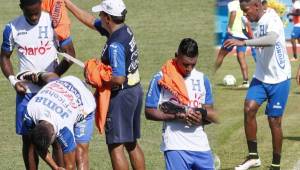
<point x="159" y="26"/>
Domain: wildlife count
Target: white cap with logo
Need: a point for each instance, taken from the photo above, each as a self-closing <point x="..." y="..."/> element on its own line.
<point x="111" y="7"/>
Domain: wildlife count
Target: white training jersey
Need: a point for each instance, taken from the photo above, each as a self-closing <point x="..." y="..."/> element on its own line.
<point x="35" y="44"/>
<point x="237" y="27"/>
<point x="62" y="103"/>
<point x="272" y="63"/>
<point x="177" y="135"/>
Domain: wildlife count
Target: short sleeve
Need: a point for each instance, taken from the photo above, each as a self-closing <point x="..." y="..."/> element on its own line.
<point x="232" y="6"/>
<point x="8" y="42"/>
<point x="100" y="29"/>
<point x="65" y="42"/>
<point x="209" y="96"/>
<point x="116" y="54"/>
<point x="153" y="94"/>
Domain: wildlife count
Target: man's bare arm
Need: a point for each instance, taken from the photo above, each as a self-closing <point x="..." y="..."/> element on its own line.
<point x="81" y="15"/>
<point x="8" y="72"/>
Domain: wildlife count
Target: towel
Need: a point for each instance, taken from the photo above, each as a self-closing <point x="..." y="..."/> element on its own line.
<point x="173" y="81"/>
<point x="99" y="75"/>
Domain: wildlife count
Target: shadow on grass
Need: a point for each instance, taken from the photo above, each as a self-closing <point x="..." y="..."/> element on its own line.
<point x="295" y="138"/>
<point x="231" y="87"/>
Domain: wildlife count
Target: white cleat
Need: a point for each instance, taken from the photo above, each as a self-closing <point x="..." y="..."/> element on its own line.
<point x="244" y="85"/>
<point x="248" y="163"/>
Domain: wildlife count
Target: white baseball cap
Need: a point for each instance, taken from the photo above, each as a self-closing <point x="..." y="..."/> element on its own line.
<point x="111" y="7"/>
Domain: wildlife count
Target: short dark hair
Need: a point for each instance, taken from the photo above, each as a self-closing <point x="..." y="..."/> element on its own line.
<point x="41" y="136"/>
<point x="29" y="2"/>
<point x="264" y="2"/>
<point x="188" y="47"/>
<point x="247" y="1"/>
<point x="119" y="19"/>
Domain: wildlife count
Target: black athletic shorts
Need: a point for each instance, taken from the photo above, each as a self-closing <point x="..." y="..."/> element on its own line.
<point x="123" y="119"/>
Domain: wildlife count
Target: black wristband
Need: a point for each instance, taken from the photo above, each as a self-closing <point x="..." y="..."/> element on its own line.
<point x="41" y="82"/>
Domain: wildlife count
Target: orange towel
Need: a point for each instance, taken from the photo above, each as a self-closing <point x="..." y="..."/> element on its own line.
<point x="96" y="74"/>
<point x="59" y="16"/>
<point x="174" y="82"/>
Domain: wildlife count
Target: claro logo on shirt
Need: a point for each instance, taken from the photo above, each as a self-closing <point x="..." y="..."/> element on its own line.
<point x="32" y="51"/>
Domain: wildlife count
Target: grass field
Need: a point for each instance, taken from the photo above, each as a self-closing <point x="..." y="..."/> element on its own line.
<point x="158" y="27"/>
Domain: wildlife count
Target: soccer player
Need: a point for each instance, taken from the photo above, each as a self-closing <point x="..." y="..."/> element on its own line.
<point x="184" y="143"/>
<point x="121" y="53"/>
<point x="271" y="80"/>
<point x="33" y="37"/>
<point x="235" y="30"/>
<point x="295" y="36"/>
<point x="62" y="110"/>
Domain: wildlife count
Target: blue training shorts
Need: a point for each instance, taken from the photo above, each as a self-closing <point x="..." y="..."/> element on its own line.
<point x="21" y="108"/>
<point x="295" y="33"/>
<point x="238" y="48"/>
<point x="123" y="119"/>
<point x="187" y="160"/>
<point x="83" y="130"/>
<point x="275" y="94"/>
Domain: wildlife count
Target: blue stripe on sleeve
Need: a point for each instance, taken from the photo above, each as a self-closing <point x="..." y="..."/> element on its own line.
<point x="209" y="97"/>
<point x="153" y="93"/>
<point x="100" y="29"/>
<point x="65" y="41"/>
<point x="6" y="43"/>
<point x="116" y="55"/>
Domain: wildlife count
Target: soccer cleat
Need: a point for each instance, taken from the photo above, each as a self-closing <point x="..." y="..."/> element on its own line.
<point x="244" y="85"/>
<point x="293" y="59"/>
<point x="248" y="163"/>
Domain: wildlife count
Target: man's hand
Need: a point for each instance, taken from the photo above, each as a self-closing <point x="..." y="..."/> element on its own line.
<point x="20" y="88"/>
<point x="233" y="42"/>
<point x="181" y="116"/>
<point x="194" y="117"/>
<point x="33" y="77"/>
<point x="298" y="76"/>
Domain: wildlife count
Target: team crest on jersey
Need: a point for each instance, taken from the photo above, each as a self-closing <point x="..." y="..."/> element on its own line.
<point x="279" y="55"/>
